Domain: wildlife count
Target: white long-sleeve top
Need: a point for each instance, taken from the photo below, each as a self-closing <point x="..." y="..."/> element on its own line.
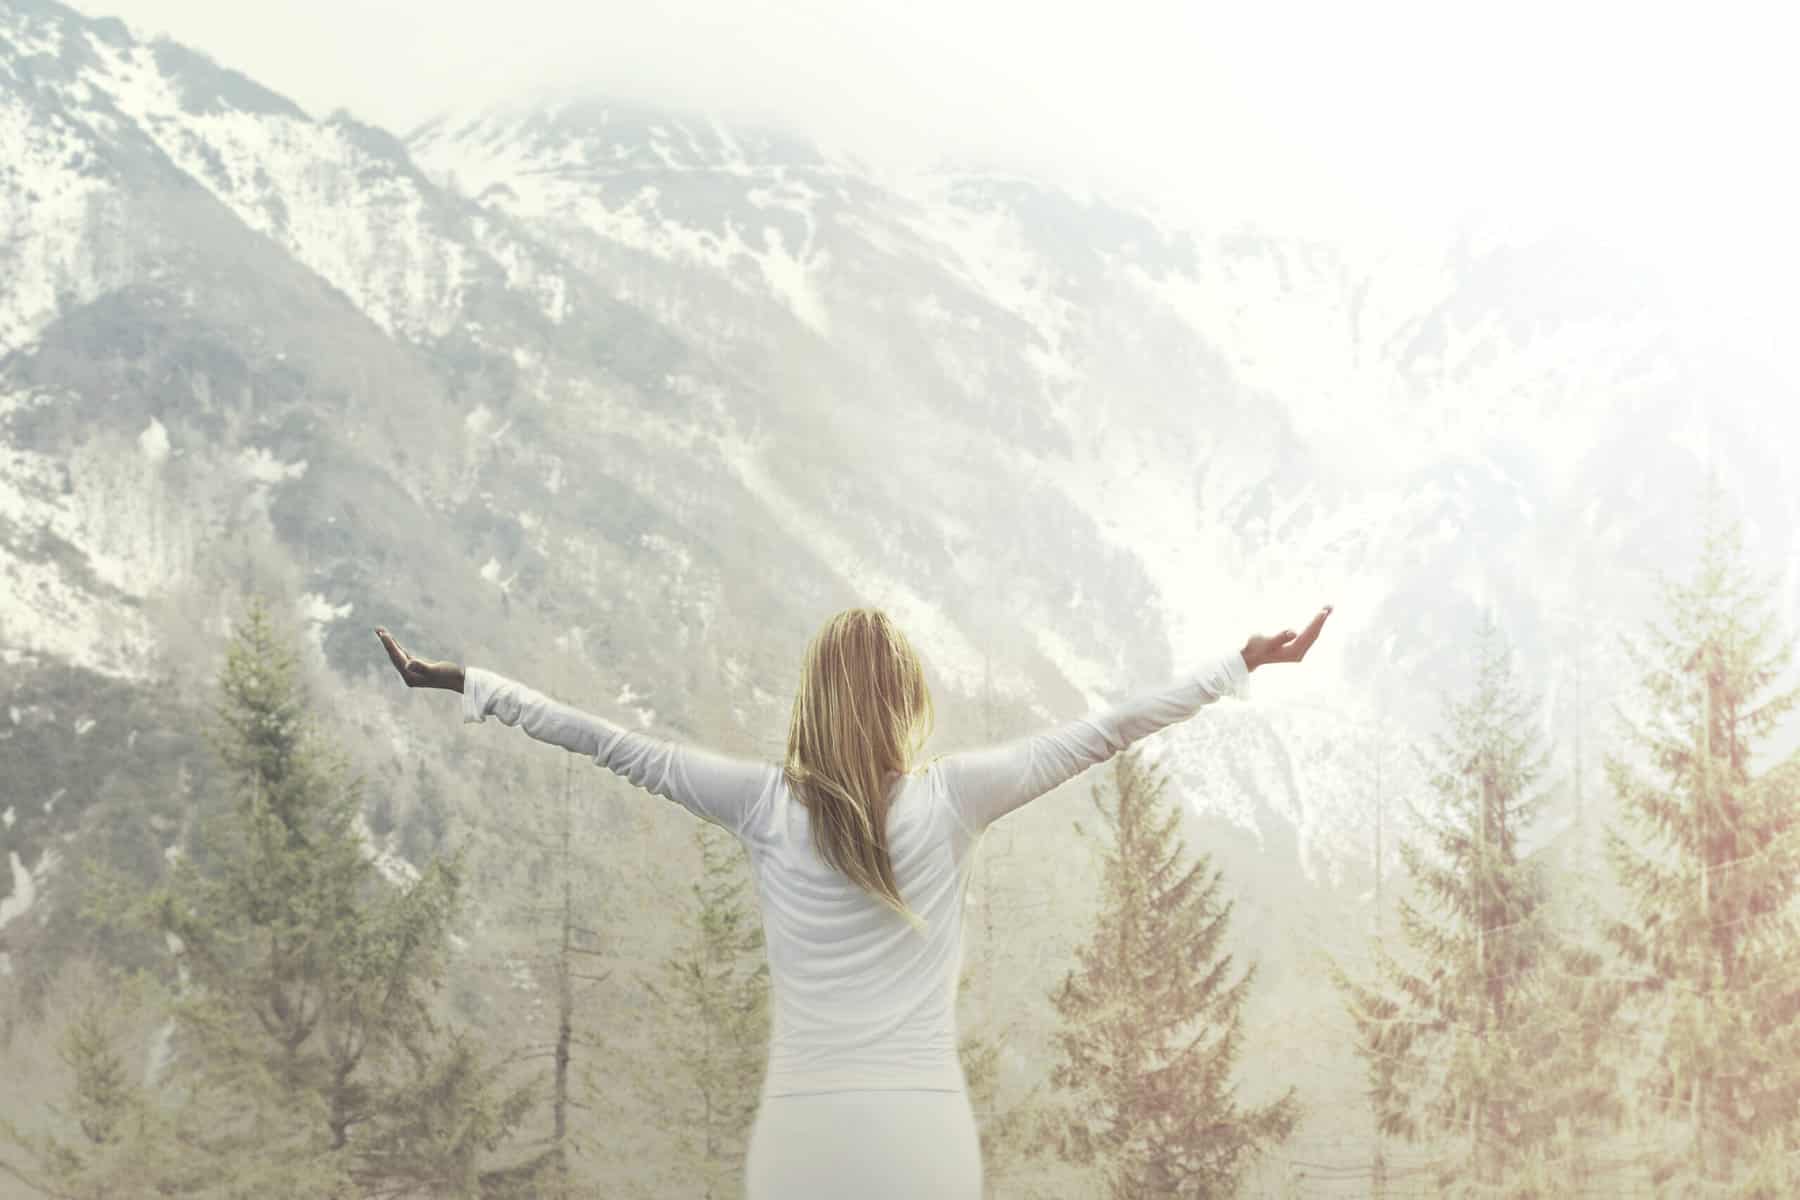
<point x="860" y="998"/>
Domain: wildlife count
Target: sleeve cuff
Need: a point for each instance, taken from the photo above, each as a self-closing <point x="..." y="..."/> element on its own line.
<point x="1229" y="676"/>
<point x="478" y="685"/>
<point x="1224" y="676"/>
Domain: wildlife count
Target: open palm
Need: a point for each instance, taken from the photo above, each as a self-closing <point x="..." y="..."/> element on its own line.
<point x="419" y="672"/>
<point x="1286" y="646"/>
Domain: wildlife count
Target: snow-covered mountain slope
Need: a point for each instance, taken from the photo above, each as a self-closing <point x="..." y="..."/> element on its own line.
<point x="1238" y="419"/>
<point x="669" y="390"/>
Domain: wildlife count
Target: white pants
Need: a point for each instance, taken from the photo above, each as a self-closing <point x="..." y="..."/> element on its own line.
<point x="870" y="1145"/>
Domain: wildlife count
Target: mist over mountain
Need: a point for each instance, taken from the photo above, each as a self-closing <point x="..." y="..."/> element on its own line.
<point x="624" y="401"/>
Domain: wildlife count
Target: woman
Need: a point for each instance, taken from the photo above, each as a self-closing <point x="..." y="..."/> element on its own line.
<point x="860" y="860"/>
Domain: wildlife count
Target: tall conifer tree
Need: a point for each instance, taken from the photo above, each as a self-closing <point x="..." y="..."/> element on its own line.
<point x="1709" y="854"/>
<point x="1150" y="1033"/>
<point x="305" y="1012"/>
<point x="1460" y="1043"/>
<point x="716" y="1035"/>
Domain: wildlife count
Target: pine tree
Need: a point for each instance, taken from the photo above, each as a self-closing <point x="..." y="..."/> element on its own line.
<point x="1458" y="1048"/>
<point x="115" y="1139"/>
<point x="1709" y="856"/>
<point x="1150" y="1030"/>
<point x="305" y="1018"/>
<point x="716" y="1032"/>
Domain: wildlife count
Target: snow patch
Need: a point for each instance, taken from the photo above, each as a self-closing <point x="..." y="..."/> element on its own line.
<point x="555" y="182"/>
<point x="154" y="441"/>
<point x="12" y="402"/>
<point x="46" y="614"/>
<point x="46" y="41"/>
<point x="64" y="239"/>
<point x="790" y="276"/>
<point x="627" y="695"/>
<point x="395" y="869"/>
<point x="526" y="275"/>
<point x="316" y="608"/>
<point x="258" y="464"/>
<point x="110" y="502"/>
<point x="316" y="612"/>
<point x="24" y="891"/>
<point x="490" y="571"/>
<point x="83" y="725"/>
<point x="160" y="1053"/>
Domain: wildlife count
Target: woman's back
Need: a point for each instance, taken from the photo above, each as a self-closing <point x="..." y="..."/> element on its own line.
<point x="862" y="998"/>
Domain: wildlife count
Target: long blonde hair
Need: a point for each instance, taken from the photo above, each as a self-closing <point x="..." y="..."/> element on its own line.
<point x="861" y="713"/>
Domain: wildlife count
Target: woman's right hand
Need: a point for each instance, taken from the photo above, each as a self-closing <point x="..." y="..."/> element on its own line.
<point x="1286" y="646"/>
<point x="417" y="672"/>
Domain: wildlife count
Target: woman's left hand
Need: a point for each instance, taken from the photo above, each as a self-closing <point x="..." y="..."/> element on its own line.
<point x="1286" y="646"/>
<point x="417" y="672"/>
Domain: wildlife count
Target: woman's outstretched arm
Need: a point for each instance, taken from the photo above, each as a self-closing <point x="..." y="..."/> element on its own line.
<point x="715" y="787"/>
<point x="984" y="785"/>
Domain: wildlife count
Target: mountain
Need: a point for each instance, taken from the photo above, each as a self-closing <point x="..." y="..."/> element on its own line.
<point x="624" y="401"/>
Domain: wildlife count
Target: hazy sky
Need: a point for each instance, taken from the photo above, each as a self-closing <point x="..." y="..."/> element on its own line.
<point x="1663" y="128"/>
